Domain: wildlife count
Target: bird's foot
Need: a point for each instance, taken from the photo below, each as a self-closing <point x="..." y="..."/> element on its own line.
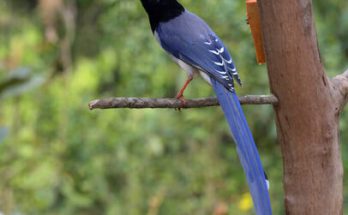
<point x="180" y="95"/>
<point x="182" y="100"/>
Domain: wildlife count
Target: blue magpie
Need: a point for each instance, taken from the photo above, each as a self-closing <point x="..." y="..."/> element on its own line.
<point x="198" y="50"/>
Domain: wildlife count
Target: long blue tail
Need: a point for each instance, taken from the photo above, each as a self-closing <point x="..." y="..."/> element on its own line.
<point x="246" y="148"/>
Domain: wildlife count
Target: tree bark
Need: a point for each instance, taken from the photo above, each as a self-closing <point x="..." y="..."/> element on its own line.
<point x="308" y="109"/>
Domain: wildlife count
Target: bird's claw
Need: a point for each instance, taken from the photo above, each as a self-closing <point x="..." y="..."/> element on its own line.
<point x="182" y="100"/>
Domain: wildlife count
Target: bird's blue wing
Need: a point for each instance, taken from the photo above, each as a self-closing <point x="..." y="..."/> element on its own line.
<point x="209" y="58"/>
<point x="189" y="39"/>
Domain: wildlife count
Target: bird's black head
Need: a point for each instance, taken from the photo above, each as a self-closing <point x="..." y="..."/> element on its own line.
<point x="162" y="10"/>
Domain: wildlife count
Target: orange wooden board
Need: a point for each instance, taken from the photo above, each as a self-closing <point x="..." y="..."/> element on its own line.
<point x="253" y="16"/>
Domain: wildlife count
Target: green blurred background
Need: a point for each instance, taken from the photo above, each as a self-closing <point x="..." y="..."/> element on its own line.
<point x="57" y="157"/>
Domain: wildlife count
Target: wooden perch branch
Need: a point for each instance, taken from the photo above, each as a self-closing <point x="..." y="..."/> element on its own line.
<point x="340" y="85"/>
<point x="174" y="103"/>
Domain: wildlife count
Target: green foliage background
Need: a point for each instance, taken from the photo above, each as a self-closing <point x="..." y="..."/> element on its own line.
<point x="57" y="157"/>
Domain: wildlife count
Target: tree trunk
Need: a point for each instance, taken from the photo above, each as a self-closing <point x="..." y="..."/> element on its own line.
<point x="308" y="109"/>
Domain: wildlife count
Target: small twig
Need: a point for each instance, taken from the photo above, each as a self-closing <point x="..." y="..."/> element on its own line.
<point x="174" y="103"/>
<point x="340" y="85"/>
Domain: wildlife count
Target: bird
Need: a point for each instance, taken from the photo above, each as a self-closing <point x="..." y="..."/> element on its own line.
<point x="194" y="46"/>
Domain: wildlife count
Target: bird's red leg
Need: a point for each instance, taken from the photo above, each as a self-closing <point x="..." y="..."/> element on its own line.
<point x="180" y="95"/>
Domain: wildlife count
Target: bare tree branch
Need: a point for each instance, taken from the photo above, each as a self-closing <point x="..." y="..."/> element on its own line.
<point x="340" y="86"/>
<point x="174" y="103"/>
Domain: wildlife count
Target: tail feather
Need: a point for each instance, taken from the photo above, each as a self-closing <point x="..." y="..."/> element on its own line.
<point x="246" y="148"/>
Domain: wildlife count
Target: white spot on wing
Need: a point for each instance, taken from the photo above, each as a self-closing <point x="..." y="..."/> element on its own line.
<point x="221" y="72"/>
<point x="219" y="63"/>
<point x="214" y="52"/>
<point x="227" y="61"/>
<point x="218" y="51"/>
<point x="233" y="70"/>
<point x="208" y="43"/>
